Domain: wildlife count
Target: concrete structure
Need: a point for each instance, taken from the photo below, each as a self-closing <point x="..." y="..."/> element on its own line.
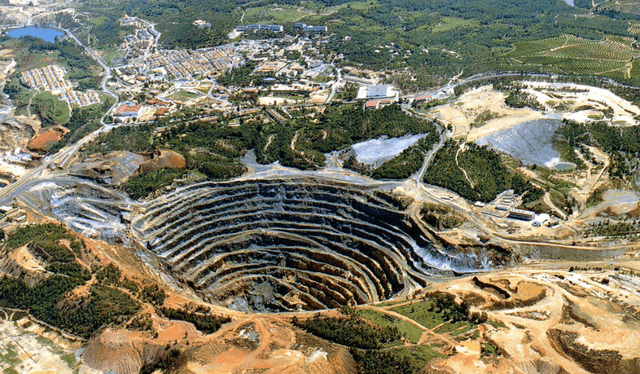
<point x="183" y="64"/>
<point x="541" y="219"/>
<point x="270" y="66"/>
<point x="274" y="28"/>
<point x="201" y="23"/>
<point x="379" y="92"/>
<point x="306" y="28"/>
<point x="51" y="78"/>
<point x="525" y="215"/>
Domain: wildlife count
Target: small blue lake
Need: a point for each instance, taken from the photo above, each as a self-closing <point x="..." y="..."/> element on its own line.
<point x="44" y="33"/>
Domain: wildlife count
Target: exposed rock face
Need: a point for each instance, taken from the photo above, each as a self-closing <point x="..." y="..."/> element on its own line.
<point x="291" y="244"/>
<point x="111" y="169"/>
<point x="124" y="352"/>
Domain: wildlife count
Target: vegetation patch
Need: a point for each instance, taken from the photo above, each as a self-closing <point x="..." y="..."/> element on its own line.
<point x="441" y="217"/>
<point x="594" y="360"/>
<point x="410" y="331"/>
<point x="340" y="127"/>
<point x="50" y="300"/>
<point x="50" y="109"/>
<point x="207" y="323"/>
<point x="167" y="364"/>
<point x="350" y="329"/>
<point x="484" y="177"/>
<point x="209" y="148"/>
<point x="142" y="185"/>
<point x="436" y="309"/>
<point x="408" y="162"/>
<point x="382" y="362"/>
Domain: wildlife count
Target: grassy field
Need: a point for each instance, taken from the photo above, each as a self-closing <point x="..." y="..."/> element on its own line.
<point x="51" y="110"/>
<point x="98" y="21"/>
<point x="418" y="356"/>
<point x="421" y="313"/>
<point x="412" y="332"/>
<point x="182" y="96"/>
<point x="450" y="23"/>
<point x="277" y="14"/>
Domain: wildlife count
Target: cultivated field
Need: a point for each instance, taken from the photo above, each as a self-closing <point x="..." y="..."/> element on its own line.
<point x="571" y="54"/>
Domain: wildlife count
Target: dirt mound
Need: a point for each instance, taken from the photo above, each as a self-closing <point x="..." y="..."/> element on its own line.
<point x="266" y="346"/>
<point x="164" y="160"/>
<point x="21" y="263"/>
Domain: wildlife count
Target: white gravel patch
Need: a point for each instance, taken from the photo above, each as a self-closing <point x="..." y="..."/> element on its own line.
<point x="382" y="149"/>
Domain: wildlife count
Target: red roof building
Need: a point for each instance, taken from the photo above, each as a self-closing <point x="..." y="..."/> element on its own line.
<point x="128" y="110"/>
<point x="161" y="112"/>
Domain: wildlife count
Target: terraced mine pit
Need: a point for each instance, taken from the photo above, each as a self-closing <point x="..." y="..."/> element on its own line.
<point x="291" y="244"/>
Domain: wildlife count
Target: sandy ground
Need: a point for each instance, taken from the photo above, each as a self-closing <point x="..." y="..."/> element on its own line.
<point x="464" y="111"/>
<point x="524" y="338"/>
<point x="614" y="201"/>
<point x="28" y="353"/>
<point x="624" y="112"/>
<point x="267" y="345"/>
<point x="25" y="259"/>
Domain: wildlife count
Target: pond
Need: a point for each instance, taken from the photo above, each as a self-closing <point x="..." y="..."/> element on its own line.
<point x="564" y="166"/>
<point x="45" y="33"/>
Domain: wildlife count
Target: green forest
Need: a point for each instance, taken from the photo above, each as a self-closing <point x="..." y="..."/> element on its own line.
<point x="622" y="144"/>
<point x="112" y="299"/>
<point x="48" y="299"/>
<point x="339" y="127"/>
<point x="214" y="149"/>
<point x="477" y="173"/>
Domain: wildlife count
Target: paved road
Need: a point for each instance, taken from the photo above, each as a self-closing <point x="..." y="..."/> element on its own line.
<point x="447" y="91"/>
<point x="335" y="84"/>
<point x="429" y="156"/>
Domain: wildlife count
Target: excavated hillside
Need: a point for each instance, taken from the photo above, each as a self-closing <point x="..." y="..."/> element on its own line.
<point x="287" y="244"/>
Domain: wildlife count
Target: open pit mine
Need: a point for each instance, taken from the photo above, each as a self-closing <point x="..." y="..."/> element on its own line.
<point x="294" y="244"/>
